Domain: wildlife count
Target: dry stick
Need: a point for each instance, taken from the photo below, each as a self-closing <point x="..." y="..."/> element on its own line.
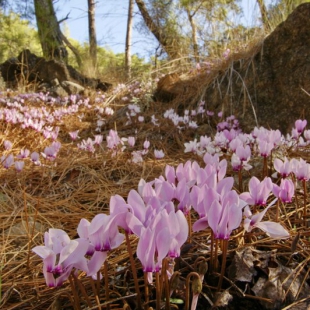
<point x="146" y="287"/>
<point x="305" y="202"/>
<point x="31" y="236"/>
<point x="134" y="272"/>
<point x="157" y="287"/>
<point x="27" y="224"/>
<point x="195" y="274"/>
<point x="106" y="284"/>
<point x="224" y="256"/>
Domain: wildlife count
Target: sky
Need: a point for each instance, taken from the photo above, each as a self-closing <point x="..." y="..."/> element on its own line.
<point x="111" y="21"/>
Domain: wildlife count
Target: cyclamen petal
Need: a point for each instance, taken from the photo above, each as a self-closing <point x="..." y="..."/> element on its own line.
<point x="200" y="224"/>
<point x="96" y="261"/>
<point x="272" y="229"/>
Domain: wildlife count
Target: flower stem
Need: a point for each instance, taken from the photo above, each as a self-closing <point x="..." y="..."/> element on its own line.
<point x="188" y="278"/>
<point x="265" y="167"/>
<point x="92" y="282"/>
<point x="106" y="280"/>
<point x="82" y="288"/>
<point x="240" y="180"/>
<point x="277" y="210"/>
<point x="211" y="254"/>
<point x="215" y="254"/>
<point x="158" y="290"/>
<point x="146" y="288"/>
<point x="305" y="202"/>
<point x="224" y="256"/>
<point x="189" y="226"/>
<point x="134" y="271"/>
<point x="75" y="294"/>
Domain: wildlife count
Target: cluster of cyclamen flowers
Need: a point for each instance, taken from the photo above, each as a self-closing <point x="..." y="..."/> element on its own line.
<point x="156" y="213"/>
<point x="50" y="153"/>
<point x="243" y="147"/>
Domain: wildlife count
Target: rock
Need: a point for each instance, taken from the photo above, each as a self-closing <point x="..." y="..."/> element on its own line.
<point x="72" y="88"/>
<point x="10" y="69"/>
<point x="269" y="88"/>
<point x="57" y="91"/>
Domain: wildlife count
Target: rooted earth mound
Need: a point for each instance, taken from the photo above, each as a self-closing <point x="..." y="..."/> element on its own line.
<point x="31" y="68"/>
<point x="271" y="88"/>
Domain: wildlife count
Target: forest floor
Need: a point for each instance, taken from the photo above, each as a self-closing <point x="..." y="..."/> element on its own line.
<point x="78" y="180"/>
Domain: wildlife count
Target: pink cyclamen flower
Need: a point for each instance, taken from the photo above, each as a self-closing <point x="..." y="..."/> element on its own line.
<point x="87" y="145"/>
<point x="146" y="144"/>
<point x="134" y="212"/>
<point x="301" y="169"/>
<point x="7" y="144"/>
<point x="152" y="242"/>
<point x="159" y="154"/>
<point x="284" y="168"/>
<point x="74" y="134"/>
<point x="285" y="191"/>
<point x="258" y="191"/>
<point x="35" y="157"/>
<point x="24" y="153"/>
<point x="50" y="153"/>
<point x="98" y="139"/>
<point x="113" y="140"/>
<point x="265" y="147"/>
<point x="103" y="235"/>
<point x="19" y="165"/>
<point x="60" y="255"/>
<point x="7" y="161"/>
<point x="300" y="125"/>
<point x="131" y="141"/>
<point x="223" y="215"/>
<point x="272" y="229"/>
<point x="162" y="236"/>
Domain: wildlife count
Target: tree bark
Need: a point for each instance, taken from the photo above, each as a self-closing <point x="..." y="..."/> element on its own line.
<point x="128" y="39"/>
<point x="49" y="31"/>
<point x="164" y="41"/>
<point x="92" y="32"/>
<point x="264" y="14"/>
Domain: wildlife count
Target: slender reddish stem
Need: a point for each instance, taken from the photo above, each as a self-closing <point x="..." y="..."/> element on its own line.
<point x="158" y="290"/>
<point x="211" y="254"/>
<point x="146" y="287"/>
<point x="134" y="271"/>
<point x="106" y="280"/>
<point x="224" y="256"/>
<point x="305" y="203"/>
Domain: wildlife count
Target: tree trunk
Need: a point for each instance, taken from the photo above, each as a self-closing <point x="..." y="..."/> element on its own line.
<point x="159" y="35"/>
<point x="128" y="40"/>
<point x="49" y="31"/>
<point x="264" y="14"/>
<point x="194" y="35"/>
<point x="92" y="32"/>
